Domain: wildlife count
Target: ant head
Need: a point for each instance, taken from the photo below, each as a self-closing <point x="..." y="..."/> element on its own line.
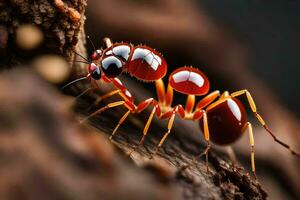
<point x="96" y="55"/>
<point x="94" y="71"/>
<point x="112" y="66"/>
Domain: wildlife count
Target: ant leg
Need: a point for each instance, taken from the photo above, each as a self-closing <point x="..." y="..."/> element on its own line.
<point x="198" y="114"/>
<point x="104" y="96"/>
<point x="145" y="131"/>
<point x="262" y="122"/>
<point x="170" y="125"/>
<point x="110" y="105"/>
<point x="224" y="95"/>
<point x="206" y="137"/>
<point x="207" y="100"/>
<point x="231" y="155"/>
<point x="251" y="140"/>
<point x="119" y="123"/>
<point x="142" y="106"/>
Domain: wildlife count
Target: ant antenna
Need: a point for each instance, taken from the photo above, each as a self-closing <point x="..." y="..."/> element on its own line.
<point x="80" y="61"/>
<point x="91" y="42"/>
<point x="79" y="79"/>
<point x="81" y="56"/>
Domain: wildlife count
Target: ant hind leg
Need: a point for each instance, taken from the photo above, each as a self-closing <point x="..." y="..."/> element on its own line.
<point x="251" y="141"/>
<point x="207" y="138"/>
<point x="262" y="122"/>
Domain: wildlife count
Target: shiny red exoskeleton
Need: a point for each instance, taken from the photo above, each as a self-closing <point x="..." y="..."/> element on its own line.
<point x="141" y="62"/>
<point x="222" y="118"/>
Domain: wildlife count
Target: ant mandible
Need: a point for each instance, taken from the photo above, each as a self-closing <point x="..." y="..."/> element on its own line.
<point x="141" y="62"/>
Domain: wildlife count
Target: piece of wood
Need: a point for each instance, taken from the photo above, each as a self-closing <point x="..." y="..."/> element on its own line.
<point x="46" y="154"/>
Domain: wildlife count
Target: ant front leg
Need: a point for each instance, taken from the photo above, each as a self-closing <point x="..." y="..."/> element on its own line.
<point x="171" y="115"/>
<point x="131" y="109"/>
<point x="104" y="96"/>
<point x="260" y="119"/>
<point x="156" y="110"/>
<point x="119" y="123"/>
<point x="120" y="88"/>
<point x="108" y="106"/>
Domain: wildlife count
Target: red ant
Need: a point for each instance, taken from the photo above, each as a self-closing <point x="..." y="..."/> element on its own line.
<point x="226" y="115"/>
<point x="221" y="120"/>
<point x="142" y="62"/>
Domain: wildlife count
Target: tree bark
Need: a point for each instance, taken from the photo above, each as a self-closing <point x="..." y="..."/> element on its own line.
<point x="60" y="21"/>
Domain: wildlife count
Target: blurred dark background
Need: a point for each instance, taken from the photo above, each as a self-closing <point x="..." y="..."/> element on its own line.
<point x="271" y="31"/>
<point x="238" y="44"/>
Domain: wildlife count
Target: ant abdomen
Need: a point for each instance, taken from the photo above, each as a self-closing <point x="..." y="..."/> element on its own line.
<point x="227" y="120"/>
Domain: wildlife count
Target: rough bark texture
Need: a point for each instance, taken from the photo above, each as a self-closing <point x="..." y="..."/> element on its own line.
<point x="45" y="154"/>
<point x="60" y="22"/>
<point x="53" y="157"/>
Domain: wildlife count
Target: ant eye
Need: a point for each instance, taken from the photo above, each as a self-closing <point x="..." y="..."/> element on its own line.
<point x="112" y="66"/>
<point x="94" y="71"/>
<point x="96" y="55"/>
<point x="96" y="74"/>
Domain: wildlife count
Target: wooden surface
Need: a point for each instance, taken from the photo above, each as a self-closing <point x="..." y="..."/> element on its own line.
<point x="46" y="153"/>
